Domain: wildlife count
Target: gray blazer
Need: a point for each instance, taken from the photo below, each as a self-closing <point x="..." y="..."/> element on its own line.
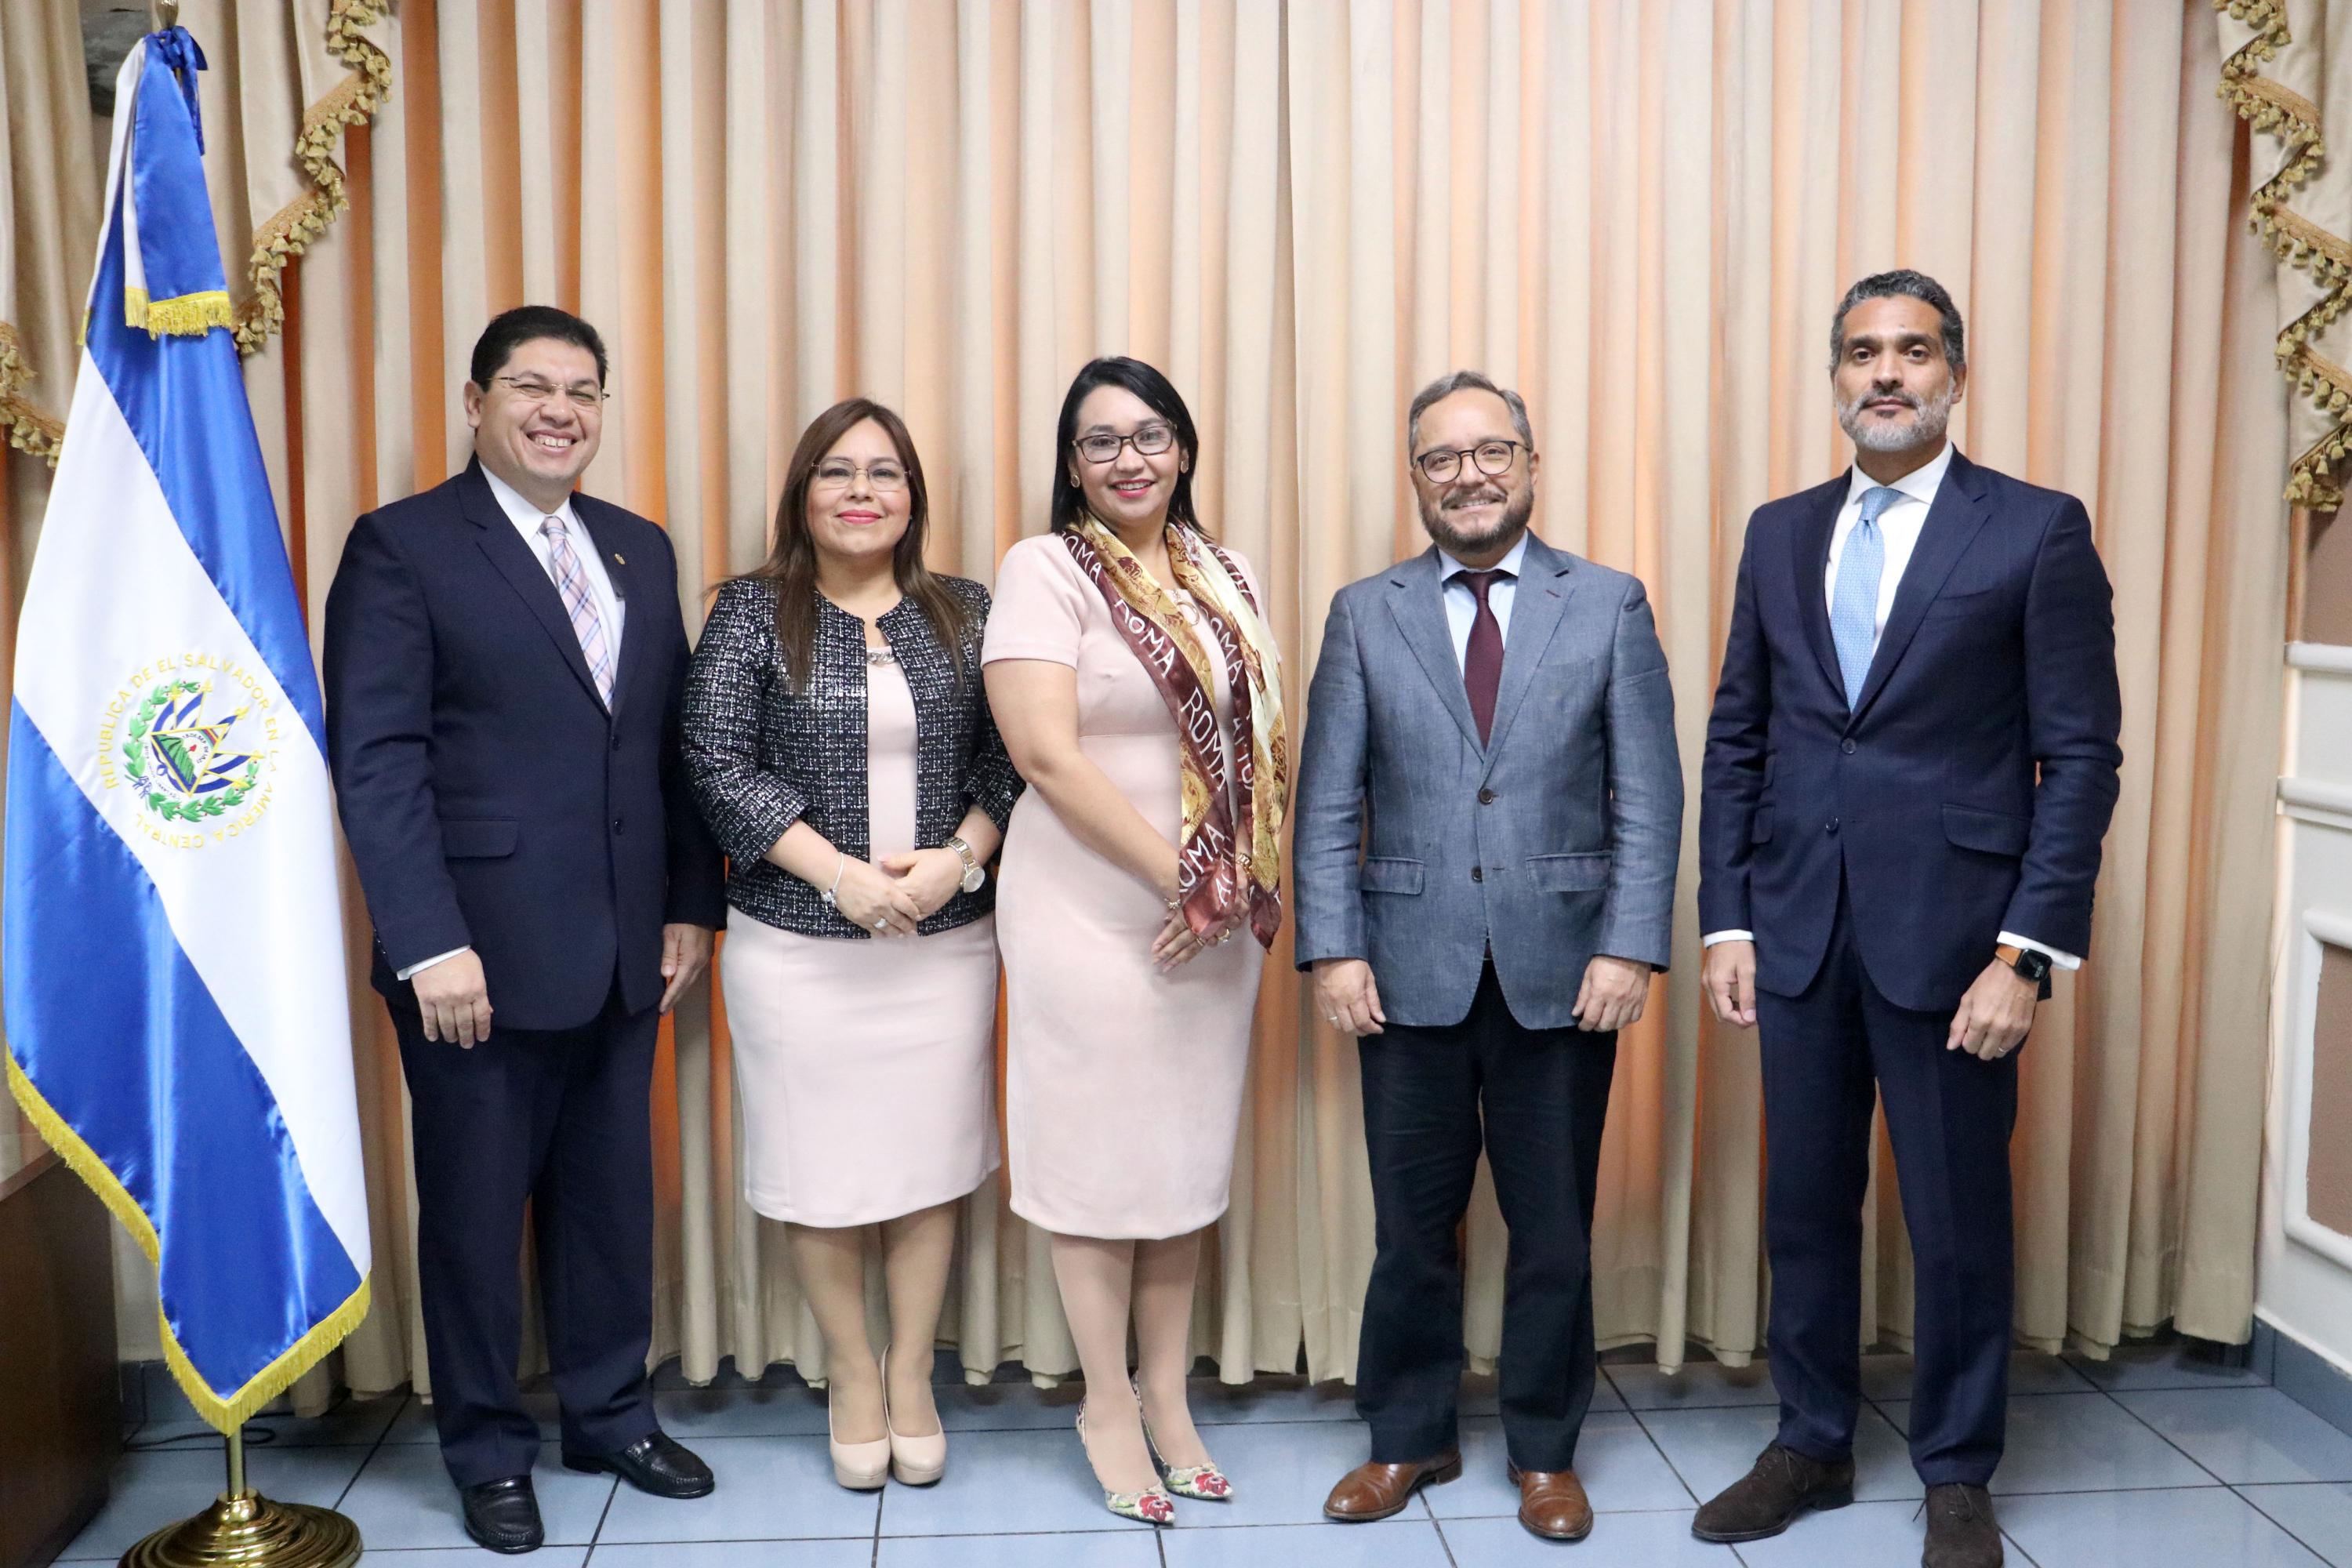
<point x="1419" y="850"/>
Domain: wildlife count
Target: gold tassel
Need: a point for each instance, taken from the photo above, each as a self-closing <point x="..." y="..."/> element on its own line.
<point x="181" y="316"/>
<point x="29" y="429"/>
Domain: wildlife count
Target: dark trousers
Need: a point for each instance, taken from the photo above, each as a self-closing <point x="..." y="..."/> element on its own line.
<point x="1543" y="1094"/>
<point x="561" y="1118"/>
<point x="1949" y="1116"/>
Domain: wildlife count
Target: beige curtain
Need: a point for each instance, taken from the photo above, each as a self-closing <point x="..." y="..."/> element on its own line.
<point x="1639" y="214"/>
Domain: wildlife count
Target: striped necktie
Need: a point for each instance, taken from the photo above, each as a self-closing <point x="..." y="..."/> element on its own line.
<point x="587" y="623"/>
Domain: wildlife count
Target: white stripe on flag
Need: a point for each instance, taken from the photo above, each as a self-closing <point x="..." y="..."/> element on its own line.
<point x="251" y="894"/>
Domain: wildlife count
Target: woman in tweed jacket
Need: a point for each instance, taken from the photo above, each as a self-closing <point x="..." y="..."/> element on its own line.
<point x="842" y="749"/>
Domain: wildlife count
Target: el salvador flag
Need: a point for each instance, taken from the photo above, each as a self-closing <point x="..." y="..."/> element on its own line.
<point x="177" y="1022"/>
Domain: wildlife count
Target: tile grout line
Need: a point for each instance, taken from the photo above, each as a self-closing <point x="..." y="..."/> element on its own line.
<point x="597" y="1536"/>
<point x="1437" y="1524"/>
<point x="1655" y="1447"/>
<point x="2235" y="1489"/>
<point x="2168" y="1443"/>
<point x="373" y="1449"/>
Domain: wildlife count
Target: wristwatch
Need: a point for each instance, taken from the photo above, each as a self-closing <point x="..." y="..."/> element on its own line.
<point x="2028" y="964"/>
<point x="973" y="873"/>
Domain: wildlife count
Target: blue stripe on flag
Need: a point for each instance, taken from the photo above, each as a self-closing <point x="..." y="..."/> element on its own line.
<point x="249" y="1265"/>
<point x="184" y="398"/>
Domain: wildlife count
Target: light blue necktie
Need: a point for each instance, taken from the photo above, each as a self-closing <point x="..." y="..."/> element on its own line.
<point x="1854" y="608"/>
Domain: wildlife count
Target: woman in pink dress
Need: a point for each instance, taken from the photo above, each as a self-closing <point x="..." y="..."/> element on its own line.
<point x="841" y="747"/>
<point x="1135" y="677"/>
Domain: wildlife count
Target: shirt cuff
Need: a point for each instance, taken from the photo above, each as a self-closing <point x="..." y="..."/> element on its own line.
<point x="1713" y="937"/>
<point x="415" y="969"/>
<point x="2061" y="960"/>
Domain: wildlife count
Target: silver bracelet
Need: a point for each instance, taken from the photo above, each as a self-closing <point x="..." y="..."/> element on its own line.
<point x="838" y="867"/>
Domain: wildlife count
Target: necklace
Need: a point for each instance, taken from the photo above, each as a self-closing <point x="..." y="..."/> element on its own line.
<point x="881" y="656"/>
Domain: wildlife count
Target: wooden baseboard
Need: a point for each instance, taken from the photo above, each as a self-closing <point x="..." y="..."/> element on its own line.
<point x="60" y="1401"/>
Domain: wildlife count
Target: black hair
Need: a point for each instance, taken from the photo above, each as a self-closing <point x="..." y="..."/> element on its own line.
<point x="509" y="329"/>
<point x="1911" y="285"/>
<point x="1160" y="396"/>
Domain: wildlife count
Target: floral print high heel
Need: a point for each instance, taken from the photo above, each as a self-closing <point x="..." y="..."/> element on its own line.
<point x="1149" y="1506"/>
<point x="1203" y="1483"/>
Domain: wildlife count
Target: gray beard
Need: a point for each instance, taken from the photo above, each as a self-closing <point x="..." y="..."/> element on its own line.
<point x="1926" y="431"/>
<point x="1506" y="532"/>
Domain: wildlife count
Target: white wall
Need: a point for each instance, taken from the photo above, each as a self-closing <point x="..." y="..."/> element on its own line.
<point x="2304" y="1272"/>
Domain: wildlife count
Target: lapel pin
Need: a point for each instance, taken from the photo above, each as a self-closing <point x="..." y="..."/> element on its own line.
<point x="619" y="559"/>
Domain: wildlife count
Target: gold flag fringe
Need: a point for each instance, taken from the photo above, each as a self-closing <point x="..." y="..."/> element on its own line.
<point x="293" y="228"/>
<point x="29" y="429"/>
<point x="223" y="1413"/>
<point x="181" y="316"/>
<point x="2294" y="120"/>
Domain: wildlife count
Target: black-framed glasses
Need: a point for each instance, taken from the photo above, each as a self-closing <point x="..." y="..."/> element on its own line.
<point x="1493" y="458"/>
<point x="883" y="475"/>
<point x="530" y="389"/>
<point x="1100" y="446"/>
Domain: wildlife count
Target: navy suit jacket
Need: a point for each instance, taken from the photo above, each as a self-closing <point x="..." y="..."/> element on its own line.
<point x="489" y="799"/>
<point x="1965" y="793"/>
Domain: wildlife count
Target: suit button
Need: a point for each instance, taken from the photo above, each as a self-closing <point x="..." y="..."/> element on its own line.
<point x="616" y="743"/>
<point x="1829" y="827"/>
<point x="1486" y="797"/>
<point x="616" y="825"/>
<point x="1477" y="873"/>
<point x="1849" y="748"/>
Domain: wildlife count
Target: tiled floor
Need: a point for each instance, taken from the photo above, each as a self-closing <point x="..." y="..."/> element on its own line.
<point x="2151" y="1457"/>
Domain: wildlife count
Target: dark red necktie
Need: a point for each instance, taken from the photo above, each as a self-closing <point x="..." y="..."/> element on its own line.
<point x="1482" y="662"/>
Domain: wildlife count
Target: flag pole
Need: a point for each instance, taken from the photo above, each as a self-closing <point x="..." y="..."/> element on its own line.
<point x="245" y="1529"/>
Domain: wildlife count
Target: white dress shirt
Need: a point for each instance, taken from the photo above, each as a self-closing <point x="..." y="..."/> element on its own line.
<point x="610" y="605"/>
<point x="1898" y="529"/>
<point x="1461" y="605"/>
<point x="526" y="519"/>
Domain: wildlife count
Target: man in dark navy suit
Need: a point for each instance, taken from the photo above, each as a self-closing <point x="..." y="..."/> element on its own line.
<point x="505" y="659"/>
<point x="1909" y="769"/>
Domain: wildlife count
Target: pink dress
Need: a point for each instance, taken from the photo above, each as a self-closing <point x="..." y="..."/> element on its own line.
<point x="1123" y="1086"/>
<point x="866" y="1069"/>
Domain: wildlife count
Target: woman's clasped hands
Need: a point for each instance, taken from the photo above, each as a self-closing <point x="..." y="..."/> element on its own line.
<point x="875" y="899"/>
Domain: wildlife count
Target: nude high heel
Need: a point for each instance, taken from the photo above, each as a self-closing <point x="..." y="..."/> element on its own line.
<point x="860" y="1466"/>
<point x="914" y="1461"/>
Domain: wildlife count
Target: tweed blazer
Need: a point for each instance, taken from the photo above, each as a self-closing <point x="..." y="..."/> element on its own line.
<point x="763" y="754"/>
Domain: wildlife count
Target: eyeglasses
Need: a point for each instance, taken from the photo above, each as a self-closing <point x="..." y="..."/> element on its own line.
<point x="530" y="389"/>
<point x="1101" y="446"/>
<point x="1493" y="458"/>
<point x="885" y="477"/>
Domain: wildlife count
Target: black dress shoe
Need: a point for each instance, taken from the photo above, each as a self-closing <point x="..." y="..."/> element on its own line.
<point x="654" y="1463"/>
<point x="503" y="1515"/>
<point x="1961" y="1530"/>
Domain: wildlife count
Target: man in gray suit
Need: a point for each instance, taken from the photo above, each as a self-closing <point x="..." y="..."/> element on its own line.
<point x="1488" y="812"/>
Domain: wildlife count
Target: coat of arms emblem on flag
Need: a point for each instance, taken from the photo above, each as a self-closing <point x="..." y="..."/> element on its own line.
<point x="178" y="1022"/>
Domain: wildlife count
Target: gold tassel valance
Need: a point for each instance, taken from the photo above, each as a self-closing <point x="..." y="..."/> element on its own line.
<point x="2315" y="261"/>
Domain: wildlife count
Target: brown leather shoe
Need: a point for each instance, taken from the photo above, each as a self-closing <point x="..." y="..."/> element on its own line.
<point x="1961" y="1530"/>
<point x="1552" y="1504"/>
<point x="1764" y="1500"/>
<point x="1377" y="1490"/>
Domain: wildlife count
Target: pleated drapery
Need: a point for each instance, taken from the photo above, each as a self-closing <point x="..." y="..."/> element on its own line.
<point x="1641" y="215"/>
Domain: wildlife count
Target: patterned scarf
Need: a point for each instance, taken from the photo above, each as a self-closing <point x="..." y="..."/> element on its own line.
<point x="1232" y="836"/>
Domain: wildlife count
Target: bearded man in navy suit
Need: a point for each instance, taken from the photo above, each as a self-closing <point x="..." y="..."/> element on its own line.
<point x="504" y="660"/>
<point x="1909" y="769"/>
